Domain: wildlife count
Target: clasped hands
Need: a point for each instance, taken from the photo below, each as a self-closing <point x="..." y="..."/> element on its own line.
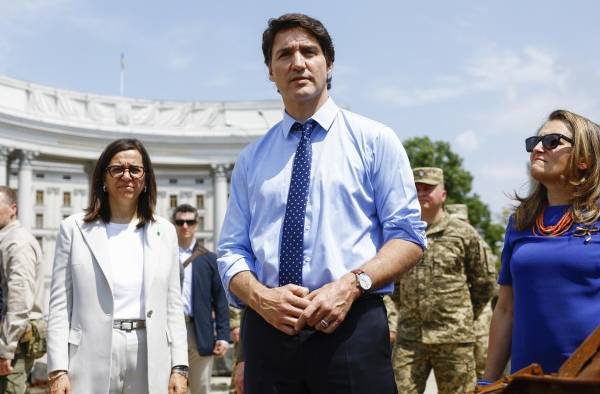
<point x="291" y="307"/>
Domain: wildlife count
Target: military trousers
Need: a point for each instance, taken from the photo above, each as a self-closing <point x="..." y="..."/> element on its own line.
<point x="16" y="382"/>
<point x="482" y="330"/>
<point x="452" y="363"/>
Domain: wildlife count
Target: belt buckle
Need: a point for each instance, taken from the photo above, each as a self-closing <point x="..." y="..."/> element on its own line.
<point x="127" y="325"/>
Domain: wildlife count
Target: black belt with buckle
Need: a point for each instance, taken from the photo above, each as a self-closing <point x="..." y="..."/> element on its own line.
<point x="128" y="325"/>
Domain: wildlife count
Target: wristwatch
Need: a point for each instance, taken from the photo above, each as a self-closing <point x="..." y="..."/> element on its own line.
<point x="363" y="281"/>
<point x="181" y="370"/>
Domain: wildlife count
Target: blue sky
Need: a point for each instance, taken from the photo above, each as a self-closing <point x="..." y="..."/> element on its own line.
<point x="480" y="74"/>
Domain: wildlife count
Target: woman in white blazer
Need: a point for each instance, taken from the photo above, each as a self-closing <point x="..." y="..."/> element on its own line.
<point x="116" y="320"/>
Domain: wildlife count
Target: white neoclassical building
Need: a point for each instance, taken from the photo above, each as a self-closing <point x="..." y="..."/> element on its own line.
<point x="50" y="139"/>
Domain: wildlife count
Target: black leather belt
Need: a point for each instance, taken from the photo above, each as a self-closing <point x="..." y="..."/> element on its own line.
<point x="128" y="325"/>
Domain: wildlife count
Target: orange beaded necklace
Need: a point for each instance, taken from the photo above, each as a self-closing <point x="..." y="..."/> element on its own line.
<point x="559" y="228"/>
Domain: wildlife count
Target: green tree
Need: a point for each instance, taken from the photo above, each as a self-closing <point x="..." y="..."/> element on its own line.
<point x="424" y="152"/>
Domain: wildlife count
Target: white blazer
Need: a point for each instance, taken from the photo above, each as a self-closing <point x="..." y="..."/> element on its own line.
<point x="81" y="306"/>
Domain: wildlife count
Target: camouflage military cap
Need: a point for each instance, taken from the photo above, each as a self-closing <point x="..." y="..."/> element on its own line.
<point x="429" y="175"/>
<point x="460" y="211"/>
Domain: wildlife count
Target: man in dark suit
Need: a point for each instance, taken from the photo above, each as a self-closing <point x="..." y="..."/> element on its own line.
<point x="204" y="302"/>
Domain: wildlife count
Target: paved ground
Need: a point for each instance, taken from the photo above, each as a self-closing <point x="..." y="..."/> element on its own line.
<point x="220" y="386"/>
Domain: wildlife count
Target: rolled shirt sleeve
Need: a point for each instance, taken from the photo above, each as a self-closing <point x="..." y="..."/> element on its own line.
<point x="395" y="193"/>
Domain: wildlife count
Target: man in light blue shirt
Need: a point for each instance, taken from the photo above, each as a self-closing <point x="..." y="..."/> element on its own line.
<point x="323" y="216"/>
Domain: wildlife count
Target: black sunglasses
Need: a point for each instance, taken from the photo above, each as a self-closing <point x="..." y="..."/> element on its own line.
<point x="190" y="222"/>
<point x="549" y="141"/>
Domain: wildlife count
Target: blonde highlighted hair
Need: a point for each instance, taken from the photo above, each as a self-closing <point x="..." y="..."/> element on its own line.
<point x="585" y="182"/>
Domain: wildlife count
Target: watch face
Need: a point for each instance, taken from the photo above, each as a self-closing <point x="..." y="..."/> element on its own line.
<point x="364" y="281"/>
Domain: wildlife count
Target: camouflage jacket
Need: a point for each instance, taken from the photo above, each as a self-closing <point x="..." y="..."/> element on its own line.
<point x="22" y="281"/>
<point x="440" y="297"/>
<point x="235" y="317"/>
<point x="392" y="313"/>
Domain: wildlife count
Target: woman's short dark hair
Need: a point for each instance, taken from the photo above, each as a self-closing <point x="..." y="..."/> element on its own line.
<point x="99" y="207"/>
<point x="289" y="21"/>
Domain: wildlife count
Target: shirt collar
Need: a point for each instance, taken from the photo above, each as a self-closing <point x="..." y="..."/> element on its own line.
<point x="189" y="249"/>
<point x="324" y="117"/>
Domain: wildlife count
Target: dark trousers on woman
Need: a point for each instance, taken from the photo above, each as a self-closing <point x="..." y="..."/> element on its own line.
<point x="354" y="359"/>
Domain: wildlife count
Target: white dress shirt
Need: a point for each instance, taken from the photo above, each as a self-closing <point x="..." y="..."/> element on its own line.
<point x="126" y="254"/>
<point x="186" y="288"/>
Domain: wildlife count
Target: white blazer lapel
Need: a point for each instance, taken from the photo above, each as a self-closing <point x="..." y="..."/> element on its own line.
<point x="151" y="255"/>
<point x="95" y="236"/>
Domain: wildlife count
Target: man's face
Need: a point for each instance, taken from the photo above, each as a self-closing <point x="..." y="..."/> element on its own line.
<point x="298" y="66"/>
<point x="431" y="197"/>
<point x="8" y="212"/>
<point x="186" y="224"/>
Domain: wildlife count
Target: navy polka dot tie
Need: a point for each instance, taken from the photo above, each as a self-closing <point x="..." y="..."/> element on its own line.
<point x="292" y="240"/>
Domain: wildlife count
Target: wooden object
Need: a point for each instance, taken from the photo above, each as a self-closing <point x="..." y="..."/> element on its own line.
<point x="580" y="374"/>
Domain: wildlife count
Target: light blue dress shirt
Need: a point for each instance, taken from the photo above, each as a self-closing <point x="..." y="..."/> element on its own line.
<point x="361" y="195"/>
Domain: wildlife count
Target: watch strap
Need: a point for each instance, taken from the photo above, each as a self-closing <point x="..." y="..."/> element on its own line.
<point x="181" y="370"/>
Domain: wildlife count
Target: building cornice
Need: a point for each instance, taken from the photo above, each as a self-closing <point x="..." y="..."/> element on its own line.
<point x="59" y="122"/>
<point x="68" y="110"/>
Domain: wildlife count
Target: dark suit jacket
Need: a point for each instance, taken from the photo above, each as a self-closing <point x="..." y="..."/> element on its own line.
<point x="208" y="296"/>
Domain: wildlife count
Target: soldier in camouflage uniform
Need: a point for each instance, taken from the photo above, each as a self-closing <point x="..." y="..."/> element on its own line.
<point x="392" y="315"/>
<point x="482" y="323"/>
<point x="459" y="211"/>
<point x="235" y="324"/>
<point x="439" y="298"/>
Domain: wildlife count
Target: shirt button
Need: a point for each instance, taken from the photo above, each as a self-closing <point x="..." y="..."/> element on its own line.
<point x="307" y="227"/>
<point x="307" y="259"/>
<point x="149" y="314"/>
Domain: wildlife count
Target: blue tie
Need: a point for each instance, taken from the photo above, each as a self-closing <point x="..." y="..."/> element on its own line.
<point x="292" y="239"/>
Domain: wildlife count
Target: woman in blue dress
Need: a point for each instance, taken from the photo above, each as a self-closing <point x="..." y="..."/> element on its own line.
<point x="549" y="297"/>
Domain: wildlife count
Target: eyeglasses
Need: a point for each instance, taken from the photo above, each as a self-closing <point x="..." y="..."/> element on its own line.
<point x="190" y="222"/>
<point x="549" y="141"/>
<point x="135" y="172"/>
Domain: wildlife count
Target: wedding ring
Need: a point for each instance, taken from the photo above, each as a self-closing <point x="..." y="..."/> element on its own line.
<point x="324" y="323"/>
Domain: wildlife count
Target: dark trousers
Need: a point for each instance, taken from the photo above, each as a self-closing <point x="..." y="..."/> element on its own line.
<point x="354" y="359"/>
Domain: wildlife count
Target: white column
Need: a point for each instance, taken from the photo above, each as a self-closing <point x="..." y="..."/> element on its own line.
<point x="25" y="192"/>
<point x="220" y="199"/>
<point x="52" y="209"/>
<point x="4" y="152"/>
<point x="78" y="203"/>
<point x="161" y="204"/>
